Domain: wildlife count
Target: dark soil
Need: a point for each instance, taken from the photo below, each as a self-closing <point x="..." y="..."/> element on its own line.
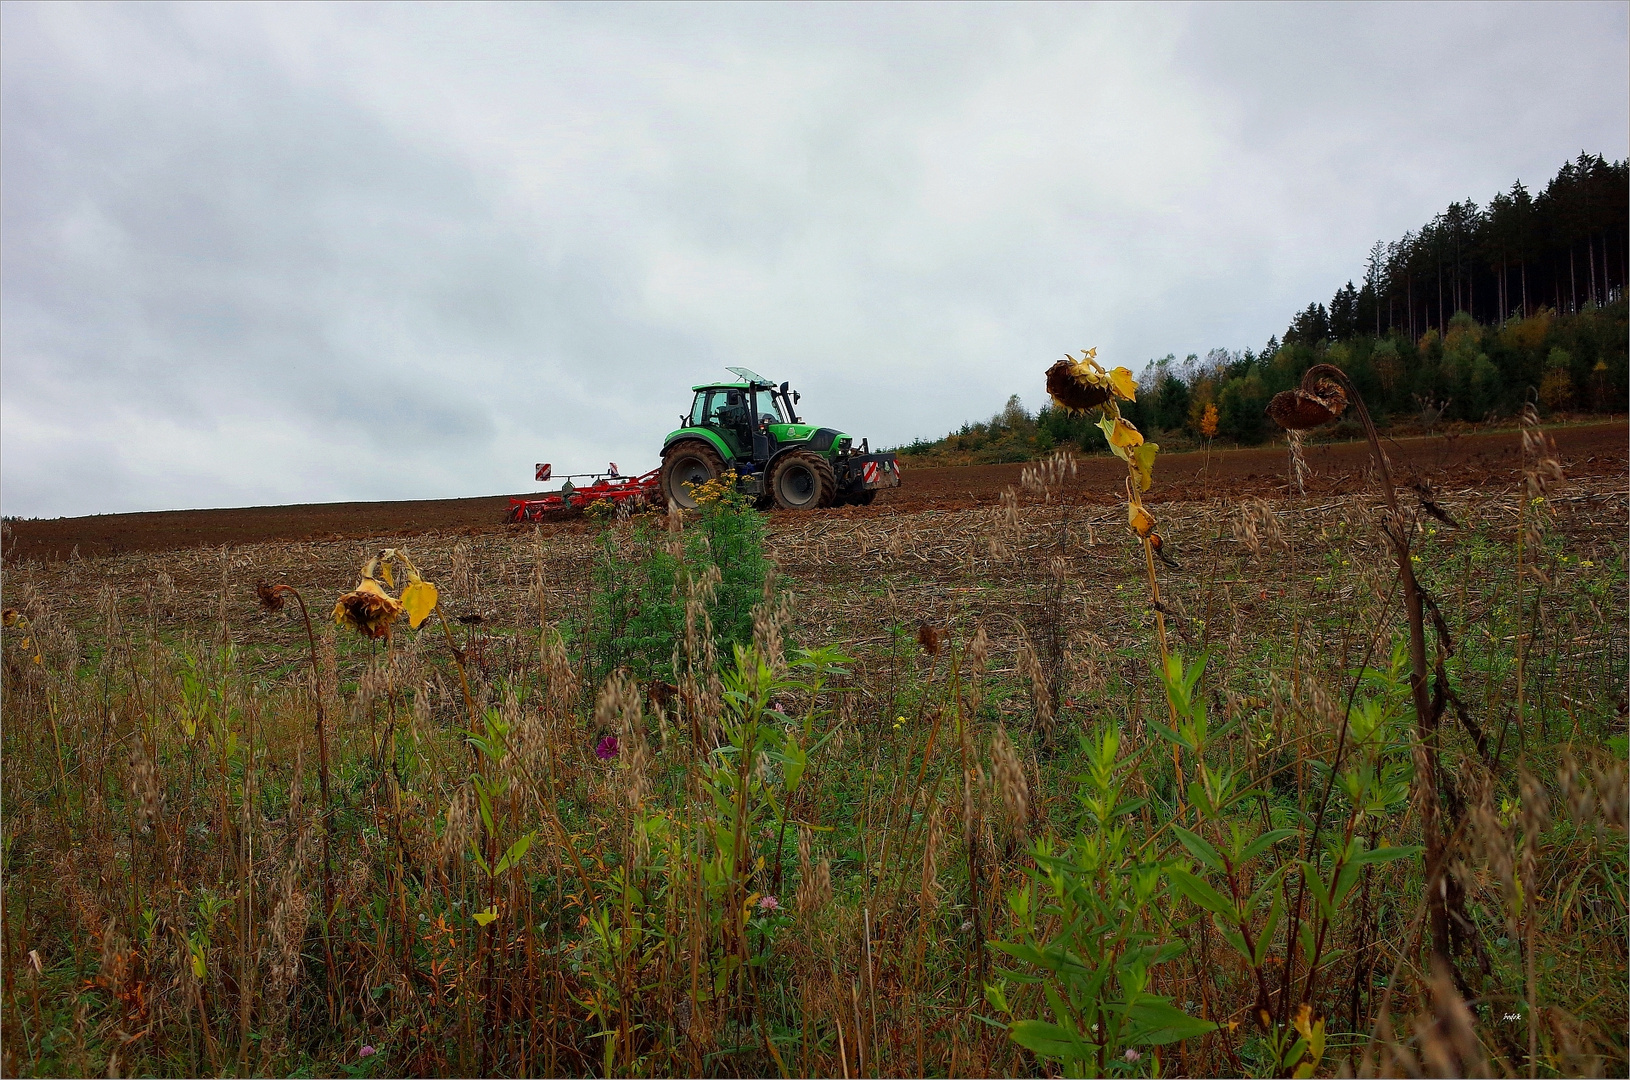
<point x="1454" y="462"/>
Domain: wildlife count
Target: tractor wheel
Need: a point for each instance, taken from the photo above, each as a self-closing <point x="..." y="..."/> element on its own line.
<point x="803" y="481"/>
<point x="688" y="462"/>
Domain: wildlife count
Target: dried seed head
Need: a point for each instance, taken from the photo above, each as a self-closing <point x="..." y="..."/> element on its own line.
<point x="271" y="596"/>
<point x="144" y="788"/>
<point x="1448" y="1037"/>
<point x="929" y="638"/>
<point x="460" y="826"/>
<point x="769" y="619"/>
<point x="618" y="708"/>
<point x="1578" y="793"/>
<point x="1536" y="804"/>
<point x="1041" y="694"/>
<point x="367" y="609"/>
<point x="1010" y="509"/>
<point x="929" y="898"/>
<point x="1072" y="390"/>
<point x="1011" y="782"/>
<point x="1541" y="469"/>
<point x="814" y="879"/>
<point x="1257" y="527"/>
<point x="979" y="650"/>
<point x="1299" y="409"/>
<point x="1299" y="471"/>
<point x="1612" y="791"/>
<point x="558" y="676"/>
<point x="973" y="792"/>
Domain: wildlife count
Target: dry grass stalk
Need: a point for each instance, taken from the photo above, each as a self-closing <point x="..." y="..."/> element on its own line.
<point x="929" y="894"/>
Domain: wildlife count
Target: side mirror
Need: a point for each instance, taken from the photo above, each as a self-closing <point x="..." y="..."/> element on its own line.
<point x="796" y="397"/>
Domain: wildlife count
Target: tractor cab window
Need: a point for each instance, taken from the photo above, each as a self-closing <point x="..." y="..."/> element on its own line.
<point x="768" y="407"/>
<point x="724" y="409"/>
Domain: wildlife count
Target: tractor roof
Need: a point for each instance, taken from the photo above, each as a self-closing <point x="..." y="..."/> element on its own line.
<point x="746" y="375"/>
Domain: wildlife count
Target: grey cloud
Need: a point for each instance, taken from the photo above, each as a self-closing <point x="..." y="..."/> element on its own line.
<point x="322" y="252"/>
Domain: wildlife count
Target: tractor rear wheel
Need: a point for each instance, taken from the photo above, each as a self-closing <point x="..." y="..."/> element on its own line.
<point x="803" y="481"/>
<point x="686" y="463"/>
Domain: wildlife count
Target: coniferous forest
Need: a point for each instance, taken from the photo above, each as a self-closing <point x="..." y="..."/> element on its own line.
<point x="1463" y="319"/>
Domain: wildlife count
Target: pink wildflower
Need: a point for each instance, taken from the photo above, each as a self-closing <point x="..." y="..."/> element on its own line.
<point x="607" y="748"/>
<point x="768" y="903"/>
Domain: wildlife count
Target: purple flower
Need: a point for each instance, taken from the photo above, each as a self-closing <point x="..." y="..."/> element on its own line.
<point x="768" y="903"/>
<point x="607" y="748"/>
<point x="366" y="1051"/>
<point x="1131" y="1054"/>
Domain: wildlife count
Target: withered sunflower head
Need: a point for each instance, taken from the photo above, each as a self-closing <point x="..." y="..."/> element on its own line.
<point x="271" y="596"/>
<point x="10" y="617"/>
<point x="1299" y="410"/>
<point x="367" y="609"/>
<point x="1072" y="389"/>
<point x="929" y="638"/>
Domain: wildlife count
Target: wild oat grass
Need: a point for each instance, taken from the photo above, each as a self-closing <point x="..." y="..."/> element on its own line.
<point x="849" y="838"/>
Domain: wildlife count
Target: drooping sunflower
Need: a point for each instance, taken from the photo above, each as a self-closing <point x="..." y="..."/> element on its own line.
<point x="1079" y="385"/>
<point x="1299" y="410"/>
<point x="367" y="609"/>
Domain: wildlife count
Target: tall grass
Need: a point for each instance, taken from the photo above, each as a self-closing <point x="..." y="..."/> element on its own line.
<point x="1014" y="844"/>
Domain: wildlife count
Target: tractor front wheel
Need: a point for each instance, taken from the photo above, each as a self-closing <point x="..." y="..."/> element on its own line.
<point x="803" y="481"/>
<point x="691" y="462"/>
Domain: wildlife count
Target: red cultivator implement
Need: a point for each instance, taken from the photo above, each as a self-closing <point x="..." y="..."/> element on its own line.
<point x="622" y="491"/>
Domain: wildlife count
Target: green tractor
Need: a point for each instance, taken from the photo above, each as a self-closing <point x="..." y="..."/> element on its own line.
<point x="753" y="428"/>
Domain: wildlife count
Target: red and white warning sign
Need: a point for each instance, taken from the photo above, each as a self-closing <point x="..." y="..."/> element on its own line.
<point x="544" y="471"/>
<point x="868" y="472"/>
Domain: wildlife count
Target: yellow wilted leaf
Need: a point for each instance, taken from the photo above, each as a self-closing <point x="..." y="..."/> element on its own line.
<point x="1140" y="519"/>
<point x="1120" y="434"/>
<point x="1121" y="381"/>
<point x="482" y="918"/>
<point x="1303" y="1023"/>
<point x="1143" y="463"/>
<point x="385" y="569"/>
<point x="419" y="598"/>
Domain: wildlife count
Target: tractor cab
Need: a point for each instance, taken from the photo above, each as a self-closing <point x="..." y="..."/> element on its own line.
<point x="750" y="417"/>
<point x="752" y="427"/>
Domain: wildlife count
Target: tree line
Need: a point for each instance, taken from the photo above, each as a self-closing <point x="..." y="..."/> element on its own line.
<point x="1464" y="319"/>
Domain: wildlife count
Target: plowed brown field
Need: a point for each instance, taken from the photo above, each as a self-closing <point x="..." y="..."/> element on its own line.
<point x="1490" y="460"/>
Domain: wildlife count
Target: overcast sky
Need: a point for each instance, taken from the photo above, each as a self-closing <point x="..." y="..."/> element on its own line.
<point x="270" y="254"/>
